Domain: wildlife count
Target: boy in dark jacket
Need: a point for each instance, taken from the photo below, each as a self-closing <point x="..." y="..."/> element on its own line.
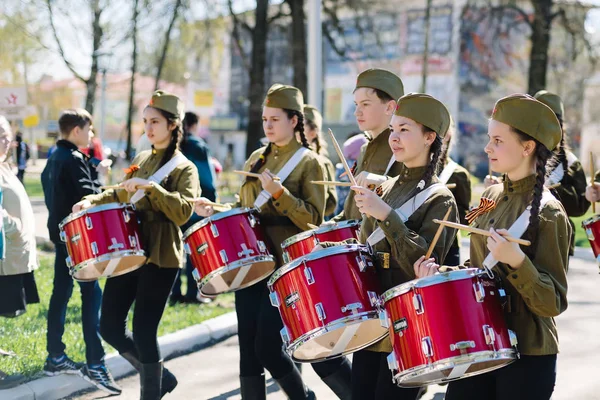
<point x="68" y="177"/>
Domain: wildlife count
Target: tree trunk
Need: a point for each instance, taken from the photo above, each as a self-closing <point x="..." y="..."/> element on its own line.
<point x="91" y="83"/>
<point x="299" y="54"/>
<point x="128" y="151"/>
<point x="165" y="49"/>
<point x="257" y="77"/>
<point x="540" y="44"/>
<point x="425" y="68"/>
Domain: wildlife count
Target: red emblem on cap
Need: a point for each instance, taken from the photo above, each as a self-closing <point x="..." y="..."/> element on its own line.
<point x="152" y="101"/>
<point x="268" y="101"/>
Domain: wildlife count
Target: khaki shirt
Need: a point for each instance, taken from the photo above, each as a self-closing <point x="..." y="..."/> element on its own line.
<point x="301" y="203"/>
<point x="571" y="191"/>
<point x="163" y="209"/>
<point x="406" y="241"/>
<point x="538" y="289"/>
<point x="332" y="197"/>
<point x="374" y="157"/>
<point x="462" y="195"/>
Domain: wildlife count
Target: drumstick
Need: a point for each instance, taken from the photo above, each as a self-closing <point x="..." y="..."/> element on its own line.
<point x="253" y="175"/>
<point x="451" y="185"/>
<point x="341" y="156"/>
<point x="480" y="231"/>
<point x="437" y="234"/>
<point x="311" y="226"/>
<point x="592" y="177"/>
<point x="490" y="169"/>
<point x="223" y="207"/>
<point x="119" y="187"/>
<point x="331" y="183"/>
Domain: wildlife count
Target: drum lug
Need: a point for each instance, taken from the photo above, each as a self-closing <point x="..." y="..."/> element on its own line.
<point x="479" y="291"/>
<point x="285" y="335"/>
<point x="88" y="222"/>
<point x="467" y="344"/>
<point x="490" y="336"/>
<point x="363" y="263"/>
<point x="383" y="319"/>
<point x="513" y="338"/>
<point x="427" y="347"/>
<point x="214" y="230"/>
<point x="418" y="304"/>
<point x="274" y="297"/>
<point x="133" y="241"/>
<point x="352" y="307"/>
<point x="252" y="220"/>
<point x="223" y="255"/>
<point x="392" y="362"/>
<point x="186" y="249"/>
<point x="196" y="274"/>
<point x="262" y="247"/>
<point x="286" y="257"/>
<point x="69" y="262"/>
<point x="94" y="248"/>
<point x="63" y="236"/>
<point x="590" y="234"/>
<point x="374" y="299"/>
<point x="310" y="278"/>
<point x="320" y="311"/>
<point x="126" y="216"/>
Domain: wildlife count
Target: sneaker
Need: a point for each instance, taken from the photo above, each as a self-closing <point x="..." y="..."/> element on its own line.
<point x="62" y="365"/>
<point x="101" y="377"/>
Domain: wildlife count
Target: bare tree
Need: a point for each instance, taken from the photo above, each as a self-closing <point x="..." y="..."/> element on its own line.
<point x="134" y="54"/>
<point x="97" y="35"/>
<point x="163" y="55"/>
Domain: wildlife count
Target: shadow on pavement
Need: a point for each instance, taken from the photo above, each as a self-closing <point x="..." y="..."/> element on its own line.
<point x="272" y="387"/>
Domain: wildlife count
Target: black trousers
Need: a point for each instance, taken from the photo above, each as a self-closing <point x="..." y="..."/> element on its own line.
<point x="529" y="378"/>
<point x="149" y="287"/>
<point x="372" y="379"/>
<point x="453" y="257"/>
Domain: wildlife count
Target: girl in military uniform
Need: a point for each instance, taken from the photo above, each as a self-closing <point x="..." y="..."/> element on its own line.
<point x="312" y="129"/>
<point x="162" y="209"/>
<point x="418" y="127"/>
<point x="567" y="180"/>
<point x="453" y="173"/>
<point x="522" y="132"/>
<point x="293" y="204"/>
<point x="375" y="98"/>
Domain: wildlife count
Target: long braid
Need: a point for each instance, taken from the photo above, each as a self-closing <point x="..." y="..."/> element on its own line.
<point x="299" y="126"/>
<point x="562" y="148"/>
<point x="176" y="136"/>
<point x="261" y="161"/>
<point x="443" y="157"/>
<point x="435" y="152"/>
<point x="317" y="143"/>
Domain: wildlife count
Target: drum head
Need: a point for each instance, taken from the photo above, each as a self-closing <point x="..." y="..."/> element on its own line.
<point x="108" y="266"/>
<point x="238" y="275"/>
<point x="338" y="338"/>
<point x="456" y="368"/>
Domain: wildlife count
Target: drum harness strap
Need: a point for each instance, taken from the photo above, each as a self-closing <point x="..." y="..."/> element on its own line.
<point x="264" y="196"/>
<point x="447" y="171"/>
<point x="159" y="175"/>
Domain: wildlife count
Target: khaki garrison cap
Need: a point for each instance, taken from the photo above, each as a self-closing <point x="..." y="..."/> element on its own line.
<point x="283" y="96"/>
<point x="381" y="79"/>
<point x="312" y="114"/>
<point x="425" y="110"/>
<point x="168" y="102"/>
<point x="551" y="100"/>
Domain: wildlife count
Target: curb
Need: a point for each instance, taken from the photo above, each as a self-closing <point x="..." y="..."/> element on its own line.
<point x="172" y="345"/>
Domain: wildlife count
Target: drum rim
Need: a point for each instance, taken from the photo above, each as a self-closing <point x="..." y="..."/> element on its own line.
<point x="338" y="225"/>
<point x="364" y="316"/>
<point x="509" y="354"/>
<point x="234" y="265"/>
<point x="432" y="280"/>
<point x="102" y="258"/>
<point x="93" y="210"/>
<point x="591" y="220"/>
<point x="215" y="217"/>
<point x="328" y="251"/>
<point x="297" y="238"/>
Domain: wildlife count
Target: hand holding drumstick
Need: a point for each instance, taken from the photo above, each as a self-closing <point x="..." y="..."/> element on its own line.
<point x="426" y="266"/>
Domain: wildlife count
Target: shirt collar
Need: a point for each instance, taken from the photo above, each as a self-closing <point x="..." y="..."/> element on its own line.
<point x="524" y="185"/>
<point x="293" y="145"/>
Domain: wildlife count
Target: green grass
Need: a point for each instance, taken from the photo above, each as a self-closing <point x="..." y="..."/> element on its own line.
<point x="26" y="335"/>
<point x="33" y="186"/>
<point x="580" y="236"/>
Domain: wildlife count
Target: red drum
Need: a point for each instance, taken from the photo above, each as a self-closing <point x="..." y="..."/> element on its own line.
<point x="228" y="251"/>
<point x="592" y="229"/>
<point x="303" y="243"/>
<point x="326" y="300"/>
<point x="102" y="241"/>
<point x="446" y="327"/>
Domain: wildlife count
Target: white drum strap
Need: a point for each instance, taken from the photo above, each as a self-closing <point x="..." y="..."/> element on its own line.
<point x="559" y="172"/>
<point x="448" y="171"/>
<point x="161" y="174"/>
<point x="389" y="166"/>
<point x="287" y="169"/>
<point x="516" y="230"/>
<point x="407" y="209"/>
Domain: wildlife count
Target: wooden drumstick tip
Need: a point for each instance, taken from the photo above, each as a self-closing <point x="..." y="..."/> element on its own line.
<point x="480" y="231"/>
<point x="311" y="226"/>
<point x="438" y="233"/>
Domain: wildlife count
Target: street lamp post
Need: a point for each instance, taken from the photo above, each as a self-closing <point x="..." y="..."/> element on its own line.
<point x="103" y="104"/>
<point x="315" y="54"/>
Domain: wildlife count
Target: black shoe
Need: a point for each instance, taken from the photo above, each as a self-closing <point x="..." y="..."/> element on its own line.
<point x="294" y="388"/>
<point x="340" y="382"/>
<point x="151" y="381"/>
<point x="101" y="377"/>
<point x="197" y="300"/>
<point x="176" y="299"/>
<point x="10" y="381"/>
<point x="169" y="381"/>
<point x="64" y="366"/>
<point x="253" y="387"/>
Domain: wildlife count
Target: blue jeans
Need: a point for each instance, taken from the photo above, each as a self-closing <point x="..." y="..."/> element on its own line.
<point x="192" y="286"/>
<point x="91" y="299"/>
